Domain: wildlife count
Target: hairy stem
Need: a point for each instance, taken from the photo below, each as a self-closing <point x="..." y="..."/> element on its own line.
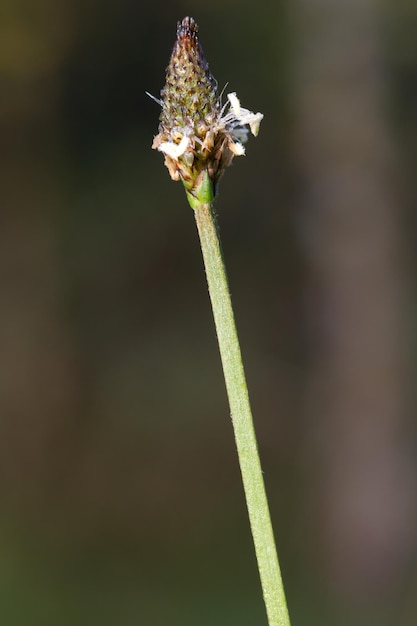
<point x="237" y="392"/>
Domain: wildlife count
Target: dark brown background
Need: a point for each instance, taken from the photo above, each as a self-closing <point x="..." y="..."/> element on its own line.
<point x="120" y="491"/>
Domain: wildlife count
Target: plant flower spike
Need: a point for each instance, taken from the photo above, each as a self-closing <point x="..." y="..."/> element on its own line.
<point x="197" y="133"/>
<point x="199" y="137"/>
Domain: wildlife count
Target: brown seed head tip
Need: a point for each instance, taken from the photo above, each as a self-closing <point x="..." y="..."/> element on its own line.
<point x="188" y="28"/>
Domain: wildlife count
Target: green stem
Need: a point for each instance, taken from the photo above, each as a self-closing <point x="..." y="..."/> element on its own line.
<point x="237" y="392"/>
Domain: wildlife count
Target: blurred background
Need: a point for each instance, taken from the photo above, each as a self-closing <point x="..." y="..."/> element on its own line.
<point x="119" y="483"/>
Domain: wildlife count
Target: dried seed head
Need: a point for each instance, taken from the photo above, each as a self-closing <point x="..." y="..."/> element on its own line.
<point x="196" y="133"/>
<point x="189" y="96"/>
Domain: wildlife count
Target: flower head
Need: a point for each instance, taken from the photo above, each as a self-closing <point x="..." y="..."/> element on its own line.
<point x="197" y="133"/>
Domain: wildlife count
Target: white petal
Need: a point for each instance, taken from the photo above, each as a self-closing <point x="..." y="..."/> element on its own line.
<point x="237" y="148"/>
<point x="244" y="116"/>
<point x="234" y="103"/>
<point x="255" y="122"/>
<point x="174" y="150"/>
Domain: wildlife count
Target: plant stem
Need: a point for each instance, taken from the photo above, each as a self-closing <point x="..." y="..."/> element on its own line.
<point x="256" y="500"/>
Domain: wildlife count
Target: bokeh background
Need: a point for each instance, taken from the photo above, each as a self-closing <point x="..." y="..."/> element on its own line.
<point x="121" y="500"/>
